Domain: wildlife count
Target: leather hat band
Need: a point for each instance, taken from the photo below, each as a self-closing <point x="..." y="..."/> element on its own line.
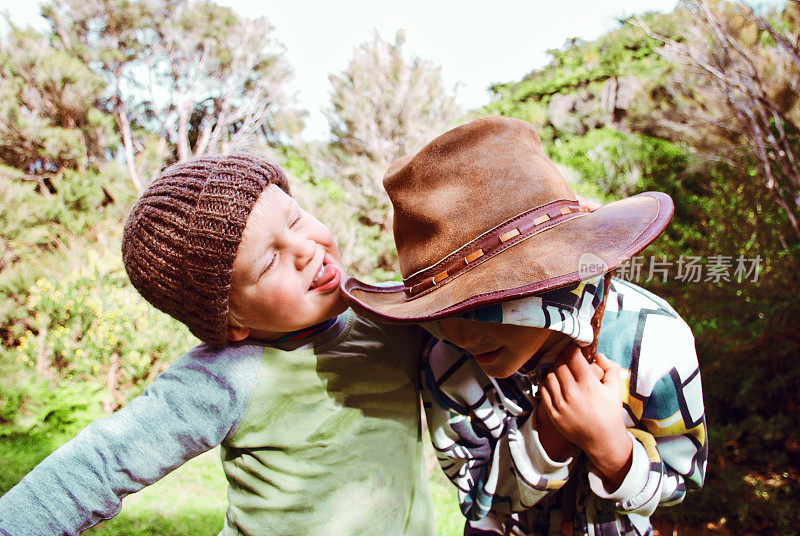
<point x="490" y="243"/>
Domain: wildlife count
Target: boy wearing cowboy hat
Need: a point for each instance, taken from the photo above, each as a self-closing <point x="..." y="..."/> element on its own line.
<point x="501" y="263"/>
<point x="307" y="400"/>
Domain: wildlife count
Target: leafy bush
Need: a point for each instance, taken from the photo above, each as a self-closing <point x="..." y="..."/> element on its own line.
<point x="747" y="343"/>
<point x="92" y="324"/>
<point x="618" y="163"/>
<point x="40" y="221"/>
<point x="625" y="51"/>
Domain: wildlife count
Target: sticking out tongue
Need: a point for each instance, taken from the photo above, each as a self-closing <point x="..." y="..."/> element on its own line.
<point x="329" y="271"/>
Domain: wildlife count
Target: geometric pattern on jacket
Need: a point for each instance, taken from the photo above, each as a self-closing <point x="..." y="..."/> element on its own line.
<point x="484" y="432"/>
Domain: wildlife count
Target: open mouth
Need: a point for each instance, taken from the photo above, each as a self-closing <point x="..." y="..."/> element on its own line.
<point x="327" y="278"/>
<point x="488" y="357"/>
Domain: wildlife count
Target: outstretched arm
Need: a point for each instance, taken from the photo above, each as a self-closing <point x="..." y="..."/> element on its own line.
<point x="190" y="408"/>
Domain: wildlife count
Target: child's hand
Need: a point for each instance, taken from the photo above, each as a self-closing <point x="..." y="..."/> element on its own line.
<point x="555" y="444"/>
<point x="587" y="411"/>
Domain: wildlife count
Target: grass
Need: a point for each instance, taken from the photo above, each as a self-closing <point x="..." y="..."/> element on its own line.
<point x="449" y="521"/>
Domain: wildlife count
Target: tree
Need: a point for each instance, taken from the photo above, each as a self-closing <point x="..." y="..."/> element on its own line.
<point x="743" y="71"/>
<point x="383" y="106"/>
<point x="48" y="119"/>
<point x="108" y="35"/>
<point x="225" y="75"/>
<point x="200" y="76"/>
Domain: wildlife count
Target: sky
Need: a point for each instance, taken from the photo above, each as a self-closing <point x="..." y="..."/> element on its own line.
<point x="477" y="43"/>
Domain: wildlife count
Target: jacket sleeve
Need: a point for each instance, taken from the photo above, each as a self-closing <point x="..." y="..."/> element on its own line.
<point x="190" y="408"/>
<point x="669" y="434"/>
<point x="495" y="460"/>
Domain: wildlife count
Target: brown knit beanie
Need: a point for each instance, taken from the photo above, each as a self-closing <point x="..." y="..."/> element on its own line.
<point x="182" y="235"/>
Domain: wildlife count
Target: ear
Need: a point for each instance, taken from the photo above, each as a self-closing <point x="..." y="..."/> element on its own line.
<point x="236" y="334"/>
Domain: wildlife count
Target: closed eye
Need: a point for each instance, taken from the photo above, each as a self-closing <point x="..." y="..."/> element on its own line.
<point x="272" y="262"/>
<point x="296" y="220"/>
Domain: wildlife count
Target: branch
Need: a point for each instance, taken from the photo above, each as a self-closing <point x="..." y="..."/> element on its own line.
<point x="788" y="48"/>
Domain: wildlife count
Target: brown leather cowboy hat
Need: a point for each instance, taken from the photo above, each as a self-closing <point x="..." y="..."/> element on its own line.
<point x="482" y="216"/>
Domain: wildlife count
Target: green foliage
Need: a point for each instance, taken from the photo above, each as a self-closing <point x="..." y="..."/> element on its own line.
<point x="746" y="331"/>
<point x="34" y="407"/>
<point x="70" y="318"/>
<point x="531" y="110"/>
<point x="747" y="343"/>
<point x="196" y="74"/>
<point x="41" y="220"/>
<point x="48" y="114"/>
<point x="626" y="51"/>
<point x="92" y="321"/>
<point x="618" y="163"/>
<point x="327" y="189"/>
<point x="76" y="336"/>
<point x="79" y="340"/>
<point x="51" y="415"/>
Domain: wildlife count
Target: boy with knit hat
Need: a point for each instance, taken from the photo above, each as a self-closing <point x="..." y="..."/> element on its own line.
<point x="316" y="409"/>
<point x="503" y="265"/>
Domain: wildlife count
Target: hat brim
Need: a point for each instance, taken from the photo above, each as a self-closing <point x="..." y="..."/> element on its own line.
<point x="553" y="258"/>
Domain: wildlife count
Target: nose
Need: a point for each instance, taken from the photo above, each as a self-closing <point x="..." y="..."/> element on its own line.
<point x="303" y="250"/>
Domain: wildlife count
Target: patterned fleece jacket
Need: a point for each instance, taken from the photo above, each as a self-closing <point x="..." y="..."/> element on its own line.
<point x="484" y="429"/>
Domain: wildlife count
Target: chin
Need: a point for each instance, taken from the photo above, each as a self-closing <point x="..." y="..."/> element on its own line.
<point x="336" y="307"/>
<point x="497" y="372"/>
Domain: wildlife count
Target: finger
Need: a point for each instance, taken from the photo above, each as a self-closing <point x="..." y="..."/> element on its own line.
<point x="570" y="350"/>
<point x="603" y="362"/>
<point x="597" y="371"/>
<point x="566" y="380"/>
<point x="611" y="370"/>
<point x="569" y="353"/>
<point x="547" y="401"/>
<point x="553" y="388"/>
<point x="579" y="366"/>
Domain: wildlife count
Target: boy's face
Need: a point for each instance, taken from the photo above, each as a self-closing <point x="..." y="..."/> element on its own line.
<point x="499" y="349"/>
<point x="287" y="270"/>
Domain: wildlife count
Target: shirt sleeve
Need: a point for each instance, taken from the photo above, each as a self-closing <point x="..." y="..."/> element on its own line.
<point x="493" y="458"/>
<point x="670" y="446"/>
<point x="190" y="408"/>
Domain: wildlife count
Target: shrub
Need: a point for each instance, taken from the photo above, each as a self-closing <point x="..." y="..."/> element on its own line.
<point x="91" y="325"/>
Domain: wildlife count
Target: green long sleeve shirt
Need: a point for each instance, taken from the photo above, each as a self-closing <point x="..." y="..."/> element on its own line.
<point x="319" y="436"/>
